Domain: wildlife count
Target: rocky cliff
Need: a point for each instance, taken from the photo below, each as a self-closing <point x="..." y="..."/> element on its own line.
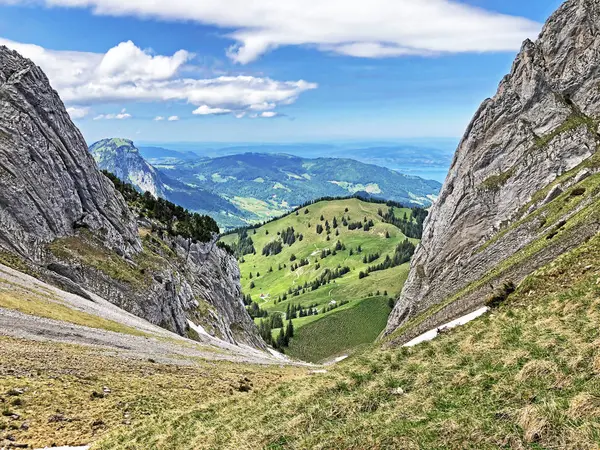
<point x="522" y="187"/>
<point x="63" y="221"/>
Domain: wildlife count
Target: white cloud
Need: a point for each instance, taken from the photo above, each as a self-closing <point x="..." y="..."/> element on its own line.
<point x="206" y="110"/>
<point x="126" y="73"/>
<point x="119" y="116"/>
<point x="78" y="113"/>
<point x="159" y="118"/>
<point x="263" y="115"/>
<point x="173" y="118"/>
<point x="373" y="28"/>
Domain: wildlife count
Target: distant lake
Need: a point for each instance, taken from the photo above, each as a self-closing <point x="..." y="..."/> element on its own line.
<point x="427" y="172"/>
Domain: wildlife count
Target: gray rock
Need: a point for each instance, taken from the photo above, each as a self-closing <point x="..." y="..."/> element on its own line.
<point x="582" y="175"/>
<point x="537" y="127"/>
<point x="48" y="180"/>
<point x="51" y="189"/>
<point x="554" y="192"/>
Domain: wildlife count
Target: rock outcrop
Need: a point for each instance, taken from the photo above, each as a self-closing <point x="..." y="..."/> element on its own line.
<point x="506" y="191"/>
<point x="121" y="158"/>
<point x="65" y="220"/>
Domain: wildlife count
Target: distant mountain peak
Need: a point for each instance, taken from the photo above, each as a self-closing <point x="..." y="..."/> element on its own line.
<point x="122" y="158"/>
<point x="114" y="144"/>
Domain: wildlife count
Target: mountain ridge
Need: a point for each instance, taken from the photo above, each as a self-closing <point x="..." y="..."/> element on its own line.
<point x="248" y="188"/>
<point x="538" y="133"/>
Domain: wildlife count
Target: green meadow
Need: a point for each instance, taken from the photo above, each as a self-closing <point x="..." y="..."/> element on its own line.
<point x="277" y="281"/>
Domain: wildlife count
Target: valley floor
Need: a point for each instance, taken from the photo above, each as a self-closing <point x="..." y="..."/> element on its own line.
<point x="524" y="375"/>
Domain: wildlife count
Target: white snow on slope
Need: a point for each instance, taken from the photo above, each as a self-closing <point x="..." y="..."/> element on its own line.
<point x="431" y="334"/>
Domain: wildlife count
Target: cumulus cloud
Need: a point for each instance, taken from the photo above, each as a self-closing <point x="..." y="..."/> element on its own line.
<point x="126" y="73"/>
<point x="78" y="113"/>
<point x="118" y="116"/>
<point x="159" y="118"/>
<point x="206" y="110"/>
<point x="173" y="118"/>
<point x="370" y="29"/>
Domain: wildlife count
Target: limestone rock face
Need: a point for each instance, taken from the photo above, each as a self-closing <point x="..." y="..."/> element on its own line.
<point x="49" y="185"/>
<point x="65" y="219"/>
<point x="542" y="123"/>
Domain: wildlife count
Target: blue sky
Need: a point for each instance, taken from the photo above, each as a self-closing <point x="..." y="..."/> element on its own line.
<point x="383" y="69"/>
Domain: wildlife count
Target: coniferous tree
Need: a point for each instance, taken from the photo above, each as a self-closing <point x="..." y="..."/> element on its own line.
<point x="280" y="343"/>
<point x="289" y="331"/>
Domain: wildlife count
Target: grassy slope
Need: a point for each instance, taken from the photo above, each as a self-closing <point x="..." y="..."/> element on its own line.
<point x="349" y="287"/>
<point x="340" y="331"/>
<point x="524" y="376"/>
<point x="277" y="282"/>
<point x="43" y="305"/>
<point x="59" y="379"/>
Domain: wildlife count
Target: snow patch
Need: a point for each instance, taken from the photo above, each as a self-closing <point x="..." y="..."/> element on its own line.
<point x="431" y="334"/>
<point x="199" y="329"/>
<point x="278" y="355"/>
<point x="335" y="360"/>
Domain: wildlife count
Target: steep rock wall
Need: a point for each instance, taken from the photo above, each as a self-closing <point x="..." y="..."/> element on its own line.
<point x="541" y="124"/>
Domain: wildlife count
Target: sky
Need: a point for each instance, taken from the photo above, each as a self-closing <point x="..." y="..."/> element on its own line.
<point x="272" y="70"/>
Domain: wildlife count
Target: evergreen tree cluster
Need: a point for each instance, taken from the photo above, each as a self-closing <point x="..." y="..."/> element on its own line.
<point x="367" y="259"/>
<point x="303" y="262"/>
<point x="266" y="327"/>
<point x="410" y="225"/>
<point x="244" y="245"/>
<point x="288" y="236"/>
<point x="226" y="247"/>
<point x="329" y="275"/>
<point x="272" y="248"/>
<point x="402" y="254"/>
<point x="176" y="219"/>
<point x="256" y="311"/>
<point x="296" y="311"/>
<point x="354" y="225"/>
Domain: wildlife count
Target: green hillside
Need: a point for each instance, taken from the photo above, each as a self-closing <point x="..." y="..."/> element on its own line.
<point x="323" y="266"/>
<point x="523" y="376"/>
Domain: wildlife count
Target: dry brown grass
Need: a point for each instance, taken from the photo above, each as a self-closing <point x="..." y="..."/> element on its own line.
<point x="59" y="380"/>
<point x="536" y="369"/>
<point x="533" y="423"/>
<point x="584" y="405"/>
